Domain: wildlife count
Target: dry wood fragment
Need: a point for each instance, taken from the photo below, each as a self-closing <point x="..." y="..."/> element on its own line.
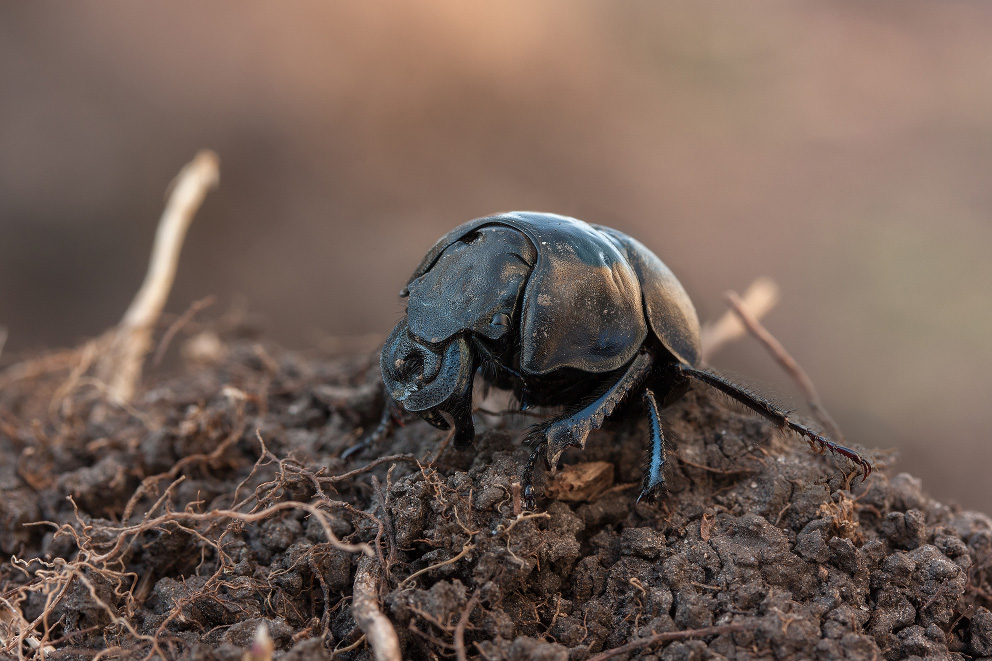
<point x="378" y="629"/>
<point x="119" y="365"/>
<point x="788" y="363"/>
<point x="759" y="298"/>
<point x="460" y="653"/>
<point x="665" y="637"/>
<point x="582" y="482"/>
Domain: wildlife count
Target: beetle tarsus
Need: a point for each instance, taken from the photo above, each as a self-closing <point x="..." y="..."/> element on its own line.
<point x="820" y="444"/>
<point x="554" y="436"/>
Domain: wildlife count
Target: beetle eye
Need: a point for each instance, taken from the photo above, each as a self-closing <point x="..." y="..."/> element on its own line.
<point x="500" y="319"/>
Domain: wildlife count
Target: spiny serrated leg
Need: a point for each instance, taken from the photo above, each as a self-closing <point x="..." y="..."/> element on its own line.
<point x="572" y="429"/>
<point x="654" y="479"/>
<point x="779" y="416"/>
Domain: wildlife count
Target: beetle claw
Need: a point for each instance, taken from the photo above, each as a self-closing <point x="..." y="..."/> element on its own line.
<point x="650" y="493"/>
<point x="356" y="449"/>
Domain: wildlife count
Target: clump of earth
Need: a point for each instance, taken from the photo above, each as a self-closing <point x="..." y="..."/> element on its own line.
<point x="215" y="516"/>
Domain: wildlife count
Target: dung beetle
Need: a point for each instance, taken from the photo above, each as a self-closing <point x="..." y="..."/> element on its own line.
<point x="564" y="314"/>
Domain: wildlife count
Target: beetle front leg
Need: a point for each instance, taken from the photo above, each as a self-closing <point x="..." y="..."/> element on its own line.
<point x="460" y="410"/>
<point x="572" y="429"/>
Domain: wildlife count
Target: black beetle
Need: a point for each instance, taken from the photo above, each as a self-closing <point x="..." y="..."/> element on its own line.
<point x="562" y="313"/>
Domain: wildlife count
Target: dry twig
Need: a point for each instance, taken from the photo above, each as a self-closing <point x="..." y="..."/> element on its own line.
<point x="468" y="548"/>
<point x="119" y="366"/>
<point x="788" y="363"/>
<point x="409" y="458"/>
<point x="365" y="609"/>
<point x="665" y="637"/>
<point x="760" y="298"/>
<point x="174" y="327"/>
<point x="460" y="628"/>
<point x="262" y="645"/>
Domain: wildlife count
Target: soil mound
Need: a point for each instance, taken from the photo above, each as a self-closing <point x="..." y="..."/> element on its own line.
<point x="219" y="502"/>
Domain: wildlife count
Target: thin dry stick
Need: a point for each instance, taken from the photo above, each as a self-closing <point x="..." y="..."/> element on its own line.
<point x="460" y="628"/>
<point x="787" y="362"/>
<point x="214" y="515"/>
<point x="62" y="360"/>
<point x="761" y="297"/>
<point x="353" y="646"/>
<point x="365" y="609"/>
<point x="120" y="366"/>
<point x="468" y="548"/>
<point x="262" y="646"/>
<point x="665" y="637"/>
<point x="409" y="458"/>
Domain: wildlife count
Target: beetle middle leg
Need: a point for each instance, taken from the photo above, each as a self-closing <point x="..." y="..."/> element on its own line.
<point x="654" y="479"/>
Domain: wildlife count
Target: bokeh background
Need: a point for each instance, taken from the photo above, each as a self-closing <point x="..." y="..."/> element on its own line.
<point x="843" y="148"/>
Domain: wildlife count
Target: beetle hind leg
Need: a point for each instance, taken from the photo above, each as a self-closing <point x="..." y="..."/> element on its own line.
<point x="572" y="428"/>
<point x="817" y="442"/>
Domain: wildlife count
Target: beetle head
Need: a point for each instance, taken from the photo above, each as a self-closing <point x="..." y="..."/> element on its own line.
<point x="429" y="379"/>
<point x="470" y="293"/>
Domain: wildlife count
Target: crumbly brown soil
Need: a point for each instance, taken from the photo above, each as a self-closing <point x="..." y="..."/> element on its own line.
<point x="178" y="527"/>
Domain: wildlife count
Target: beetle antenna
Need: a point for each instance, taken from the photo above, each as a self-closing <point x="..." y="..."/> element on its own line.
<point x="763" y="407"/>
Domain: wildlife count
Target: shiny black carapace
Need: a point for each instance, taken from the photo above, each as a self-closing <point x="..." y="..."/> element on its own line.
<point x="562" y="313"/>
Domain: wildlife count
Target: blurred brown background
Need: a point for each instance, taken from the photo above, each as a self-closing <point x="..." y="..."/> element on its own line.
<point x="844" y="149"/>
